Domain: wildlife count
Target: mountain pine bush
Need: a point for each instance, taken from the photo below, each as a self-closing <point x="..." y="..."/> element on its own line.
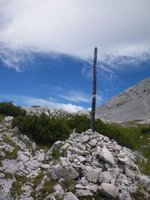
<point x="42" y="129"/>
<point x="8" y="109"/>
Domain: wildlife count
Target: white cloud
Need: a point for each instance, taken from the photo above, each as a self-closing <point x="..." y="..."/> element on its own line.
<point x="30" y="101"/>
<point x="12" y="59"/>
<point x="76" y="96"/>
<point x="79" y="96"/>
<point x="109" y="65"/>
<point x="74" y="27"/>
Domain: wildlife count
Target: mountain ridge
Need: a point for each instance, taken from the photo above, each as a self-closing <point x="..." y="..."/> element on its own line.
<point x="130" y="105"/>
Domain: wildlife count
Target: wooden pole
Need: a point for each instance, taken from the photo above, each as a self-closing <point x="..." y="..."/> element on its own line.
<point x="94" y="90"/>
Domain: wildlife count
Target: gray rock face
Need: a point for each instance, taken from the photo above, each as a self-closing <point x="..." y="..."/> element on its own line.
<point x="132" y="104"/>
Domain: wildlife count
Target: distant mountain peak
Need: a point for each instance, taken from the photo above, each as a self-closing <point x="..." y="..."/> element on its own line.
<point x="132" y="104"/>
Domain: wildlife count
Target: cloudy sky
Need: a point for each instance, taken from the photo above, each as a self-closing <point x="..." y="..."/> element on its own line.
<point x="46" y="50"/>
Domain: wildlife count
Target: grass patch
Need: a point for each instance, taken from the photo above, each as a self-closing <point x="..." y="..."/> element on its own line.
<point x="11" y="154"/>
<point x="1" y="118"/>
<point x="7" y="140"/>
<point x="37" y="180"/>
<point x="16" y="189"/>
<point x="139" y="195"/>
<point x="69" y="185"/>
<point x="17" y="185"/>
<point x="56" y="153"/>
<point x="8" y="175"/>
<point x="46" y="189"/>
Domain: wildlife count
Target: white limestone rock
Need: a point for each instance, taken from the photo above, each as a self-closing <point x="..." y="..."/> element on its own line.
<point x="83" y="193"/>
<point x="105" y="177"/>
<point x="57" y="144"/>
<point x="84" y="139"/>
<point x="58" y="190"/>
<point x="70" y="196"/>
<point x="92" y="188"/>
<point x="93" y="142"/>
<point x="124" y="160"/>
<point x="8" y="118"/>
<point x="92" y="174"/>
<point x="33" y="146"/>
<point x="109" y="190"/>
<point x="68" y="172"/>
<point x="81" y="158"/>
<point x="145" y="180"/>
<point x="106" y="155"/>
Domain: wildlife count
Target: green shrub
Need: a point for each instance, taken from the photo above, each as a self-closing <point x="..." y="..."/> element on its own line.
<point x="8" y="109"/>
<point x="145" y="130"/>
<point x="79" y="122"/>
<point x="42" y="129"/>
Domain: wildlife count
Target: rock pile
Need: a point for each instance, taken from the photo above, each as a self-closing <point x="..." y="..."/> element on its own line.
<point x="19" y="159"/>
<point x="86" y="164"/>
<point x="98" y="164"/>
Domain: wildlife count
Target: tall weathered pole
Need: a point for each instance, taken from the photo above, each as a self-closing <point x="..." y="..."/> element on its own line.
<point x="94" y="90"/>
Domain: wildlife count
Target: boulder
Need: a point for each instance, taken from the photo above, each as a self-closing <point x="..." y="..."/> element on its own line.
<point x="123" y="160"/>
<point x="109" y="190"/>
<point x="57" y="144"/>
<point x="93" y="142"/>
<point x="75" y="150"/>
<point x="105" y="177"/>
<point x="81" y="158"/>
<point x="84" y="138"/>
<point x="70" y="196"/>
<point x="145" y="180"/>
<point x="58" y="190"/>
<point x="83" y="193"/>
<point x="66" y="172"/>
<point x="117" y="147"/>
<point x="33" y="146"/>
<point x="92" y="188"/>
<point x="106" y="155"/>
<point x="92" y="174"/>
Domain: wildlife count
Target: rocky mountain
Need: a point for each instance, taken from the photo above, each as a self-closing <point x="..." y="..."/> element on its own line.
<point x="132" y="104"/>
<point x="84" y="165"/>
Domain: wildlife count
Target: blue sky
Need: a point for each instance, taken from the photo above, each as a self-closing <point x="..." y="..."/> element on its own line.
<point x="66" y="82"/>
<point x="46" y="50"/>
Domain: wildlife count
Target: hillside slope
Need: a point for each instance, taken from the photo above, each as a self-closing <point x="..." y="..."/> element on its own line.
<point x="132" y="104"/>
